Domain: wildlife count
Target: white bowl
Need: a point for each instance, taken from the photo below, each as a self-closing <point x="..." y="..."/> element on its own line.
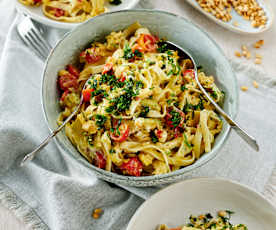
<point x="173" y="205"/>
<point x="36" y="13"/>
<point x="166" y="25"/>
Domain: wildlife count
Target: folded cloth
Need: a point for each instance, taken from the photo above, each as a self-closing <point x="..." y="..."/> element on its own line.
<point x="55" y="192"/>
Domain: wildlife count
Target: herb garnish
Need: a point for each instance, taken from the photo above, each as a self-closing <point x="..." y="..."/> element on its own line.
<point x="144" y="111"/>
<point x="154" y="138"/>
<point x="186" y="141"/>
<point x="176" y="118"/>
<point x="100" y="120"/>
<point x="163" y="48"/>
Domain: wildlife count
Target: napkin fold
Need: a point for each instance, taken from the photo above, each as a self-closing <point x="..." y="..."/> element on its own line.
<point x="55" y="192"/>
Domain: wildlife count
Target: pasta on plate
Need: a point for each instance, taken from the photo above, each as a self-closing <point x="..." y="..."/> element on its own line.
<point x="208" y="222"/>
<point x="70" y="10"/>
<point x="143" y="113"/>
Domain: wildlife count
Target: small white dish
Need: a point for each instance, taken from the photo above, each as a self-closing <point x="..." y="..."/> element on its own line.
<point x="244" y="26"/>
<point x="174" y="204"/>
<point x="36" y="13"/>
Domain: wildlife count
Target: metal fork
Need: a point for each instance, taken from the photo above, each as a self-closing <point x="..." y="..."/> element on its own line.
<point x="33" y="38"/>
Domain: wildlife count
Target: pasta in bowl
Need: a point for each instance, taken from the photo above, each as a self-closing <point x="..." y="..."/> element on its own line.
<point x="143" y="113"/>
<point x="128" y="108"/>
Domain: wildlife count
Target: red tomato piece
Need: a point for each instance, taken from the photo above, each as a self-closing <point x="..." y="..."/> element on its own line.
<point x="73" y="70"/>
<point x="159" y="133"/>
<point x="37" y="1"/>
<point x="124" y="132"/>
<point x="90" y="57"/>
<point x="100" y="160"/>
<point x="189" y="72"/>
<point x="147" y="42"/>
<point x="132" y="167"/>
<point x="68" y="81"/>
<point x="107" y="67"/>
<point x="86" y="93"/>
<point x="59" y="12"/>
<point x="64" y="94"/>
<point x="122" y="79"/>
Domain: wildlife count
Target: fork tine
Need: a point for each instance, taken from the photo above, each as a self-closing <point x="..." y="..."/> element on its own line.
<point x="43" y="41"/>
<point x="30" y="45"/>
<point x="34" y="45"/>
<point x="43" y="49"/>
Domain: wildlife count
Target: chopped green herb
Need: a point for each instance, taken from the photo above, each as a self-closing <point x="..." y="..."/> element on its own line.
<point x="175" y="119"/>
<point x="128" y="54"/>
<point x="163" y="48"/>
<point x="214" y="94"/>
<point x="154" y="138"/>
<point x="144" y="111"/>
<point x="137" y="53"/>
<point x="100" y="120"/>
<point x="186" y="141"/>
<point x="183" y="87"/>
<point x="112" y="151"/>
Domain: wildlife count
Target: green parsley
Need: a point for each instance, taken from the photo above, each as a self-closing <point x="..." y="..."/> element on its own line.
<point x="183" y="87"/>
<point x="176" y="118"/>
<point x="186" y="141"/>
<point x="144" y="111"/>
<point x="100" y="120"/>
<point x="128" y="54"/>
<point x="163" y="48"/>
<point x="154" y="138"/>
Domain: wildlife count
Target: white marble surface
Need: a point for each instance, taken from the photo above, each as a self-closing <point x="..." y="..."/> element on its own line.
<point x="227" y="40"/>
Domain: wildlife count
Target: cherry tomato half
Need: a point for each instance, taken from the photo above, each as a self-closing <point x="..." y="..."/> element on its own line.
<point x="100" y="160"/>
<point x="68" y="81"/>
<point x="73" y="70"/>
<point x="189" y="72"/>
<point x="107" y="67"/>
<point x="132" y="167"/>
<point x="147" y="42"/>
<point x="86" y="93"/>
<point x="122" y="136"/>
<point x="59" y="12"/>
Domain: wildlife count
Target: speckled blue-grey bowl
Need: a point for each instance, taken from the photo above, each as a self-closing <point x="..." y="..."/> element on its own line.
<point x="166" y="25"/>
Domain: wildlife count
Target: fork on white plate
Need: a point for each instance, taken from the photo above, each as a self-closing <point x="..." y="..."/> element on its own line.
<point x="33" y="38"/>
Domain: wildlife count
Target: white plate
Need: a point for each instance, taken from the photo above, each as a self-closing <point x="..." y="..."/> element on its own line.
<point x="37" y="14"/>
<point x="244" y="26"/>
<point x="174" y="204"/>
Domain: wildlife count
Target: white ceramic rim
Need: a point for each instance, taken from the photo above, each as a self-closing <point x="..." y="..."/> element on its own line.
<point x="147" y="180"/>
<point x="57" y="24"/>
<point x="199" y="180"/>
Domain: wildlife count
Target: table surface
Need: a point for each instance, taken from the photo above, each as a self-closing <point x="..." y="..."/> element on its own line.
<point x="8" y="221"/>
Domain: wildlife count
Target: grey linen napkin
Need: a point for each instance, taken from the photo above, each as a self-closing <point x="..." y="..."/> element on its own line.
<point x="55" y="192"/>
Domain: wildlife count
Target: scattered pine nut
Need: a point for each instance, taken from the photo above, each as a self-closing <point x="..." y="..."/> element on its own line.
<point x="244" y="48"/>
<point x="237" y="53"/>
<point x="222" y="213"/>
<point x="235" y="24"/>
<point x="248" y="55"/>
<point x="258" y="44"/>
<point x="244" y="88"/>
<point x="258" y="61"/>
<point x="258" y="56"/>
<point x="255" y="84"/>
<point x="97" y="213"/>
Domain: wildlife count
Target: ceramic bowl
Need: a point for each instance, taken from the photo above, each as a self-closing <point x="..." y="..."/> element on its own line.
<point x="174" y="204"/>
<point x="166" y="25"/>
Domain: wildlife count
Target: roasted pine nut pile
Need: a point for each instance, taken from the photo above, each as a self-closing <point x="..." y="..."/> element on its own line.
<point x="249" y="9"/>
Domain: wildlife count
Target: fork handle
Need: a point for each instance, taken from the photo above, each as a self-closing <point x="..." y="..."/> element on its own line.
<point x="239" y="130"/>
